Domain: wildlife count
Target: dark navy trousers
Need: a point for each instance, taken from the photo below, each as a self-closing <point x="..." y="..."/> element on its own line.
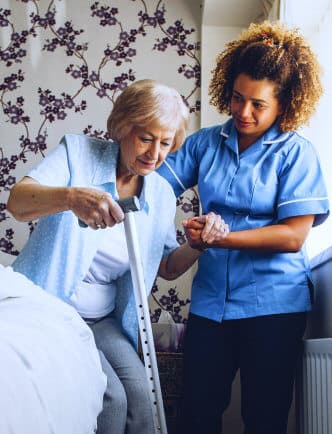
<point x="265" y="349"/>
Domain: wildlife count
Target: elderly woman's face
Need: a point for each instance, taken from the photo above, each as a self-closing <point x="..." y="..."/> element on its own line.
<point x="144" y="149"/>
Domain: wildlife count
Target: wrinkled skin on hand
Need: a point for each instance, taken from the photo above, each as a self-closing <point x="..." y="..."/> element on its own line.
<point x="96" y="208"/>
<point x="202" y="231"/>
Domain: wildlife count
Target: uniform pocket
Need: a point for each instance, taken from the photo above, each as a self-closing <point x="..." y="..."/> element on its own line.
<point x="245" y="295"/>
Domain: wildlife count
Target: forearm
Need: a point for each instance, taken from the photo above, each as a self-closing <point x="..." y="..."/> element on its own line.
<point x="30" y="200"/>
<point x="178" y="262"/>
<point x="283" y="237"/>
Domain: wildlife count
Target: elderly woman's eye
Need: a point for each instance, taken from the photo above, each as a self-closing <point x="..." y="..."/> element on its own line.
<point x="145" y="139"/>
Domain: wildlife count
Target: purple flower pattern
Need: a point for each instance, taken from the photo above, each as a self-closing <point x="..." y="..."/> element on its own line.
<point x="172" y="303"/>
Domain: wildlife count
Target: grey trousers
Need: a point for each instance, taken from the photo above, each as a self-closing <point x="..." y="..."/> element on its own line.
<point x="126" y="407"/>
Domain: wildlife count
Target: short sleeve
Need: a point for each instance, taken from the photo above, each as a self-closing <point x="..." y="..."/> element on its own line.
<point x="302" y="190"/>
<point x="181" y="168"/>
<point x="53" y="170"/>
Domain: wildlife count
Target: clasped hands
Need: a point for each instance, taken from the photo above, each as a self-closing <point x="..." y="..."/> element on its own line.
<point x="202" y="231"/>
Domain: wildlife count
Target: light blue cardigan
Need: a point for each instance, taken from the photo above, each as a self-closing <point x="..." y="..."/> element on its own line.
<point x="59" y="252"/>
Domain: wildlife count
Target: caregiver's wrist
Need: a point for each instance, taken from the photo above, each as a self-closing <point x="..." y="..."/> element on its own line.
<point x="202" y="247"/>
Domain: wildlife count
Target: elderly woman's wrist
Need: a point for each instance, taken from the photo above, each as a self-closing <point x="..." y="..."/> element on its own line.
<point x="69" y="197"/>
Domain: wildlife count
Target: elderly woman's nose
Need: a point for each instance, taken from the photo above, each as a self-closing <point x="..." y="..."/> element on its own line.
<point x="153" y="150"/>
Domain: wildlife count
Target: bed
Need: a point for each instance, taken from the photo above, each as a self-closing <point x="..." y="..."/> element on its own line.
<point x="51" y="381"/>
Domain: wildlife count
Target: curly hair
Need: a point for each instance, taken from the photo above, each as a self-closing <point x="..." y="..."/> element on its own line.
<point x="271" y="51"/>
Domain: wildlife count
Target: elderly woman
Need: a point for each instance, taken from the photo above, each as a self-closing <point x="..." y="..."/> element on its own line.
<point x="89" y="268"/>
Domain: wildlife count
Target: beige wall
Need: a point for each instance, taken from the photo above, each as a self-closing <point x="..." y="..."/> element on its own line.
<point x="213" y="41"/>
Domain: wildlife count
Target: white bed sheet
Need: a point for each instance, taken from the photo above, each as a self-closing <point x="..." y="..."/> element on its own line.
<point x="51" y="379"/>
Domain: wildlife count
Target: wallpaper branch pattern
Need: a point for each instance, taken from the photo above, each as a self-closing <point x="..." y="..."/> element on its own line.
<point x="31" y="109"/>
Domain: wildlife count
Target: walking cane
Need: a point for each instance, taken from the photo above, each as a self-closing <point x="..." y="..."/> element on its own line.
<point x="129" y="206"/>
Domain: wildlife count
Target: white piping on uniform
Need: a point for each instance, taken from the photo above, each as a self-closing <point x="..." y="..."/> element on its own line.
<point x="303" y="200"/>
<point x="265" y="142"/>
<point x="269" y="142"/>
<point x="175" y="175"/>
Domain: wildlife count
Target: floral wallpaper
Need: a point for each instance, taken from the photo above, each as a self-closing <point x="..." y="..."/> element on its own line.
<point x="63" y="63"/>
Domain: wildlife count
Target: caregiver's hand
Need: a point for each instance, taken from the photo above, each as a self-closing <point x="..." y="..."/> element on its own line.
<point x="95" y="207"/>
<point x="202" y="231"/>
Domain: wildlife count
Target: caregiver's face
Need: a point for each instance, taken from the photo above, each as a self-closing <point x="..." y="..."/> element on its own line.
<point x="144" y="149"/>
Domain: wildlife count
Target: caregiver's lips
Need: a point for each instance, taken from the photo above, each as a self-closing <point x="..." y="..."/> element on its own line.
<point x="243" y="124"/>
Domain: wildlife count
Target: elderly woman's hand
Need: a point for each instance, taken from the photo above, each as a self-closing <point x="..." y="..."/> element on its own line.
<point x="204" y="230"/>
<point x="95" y="207"/>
